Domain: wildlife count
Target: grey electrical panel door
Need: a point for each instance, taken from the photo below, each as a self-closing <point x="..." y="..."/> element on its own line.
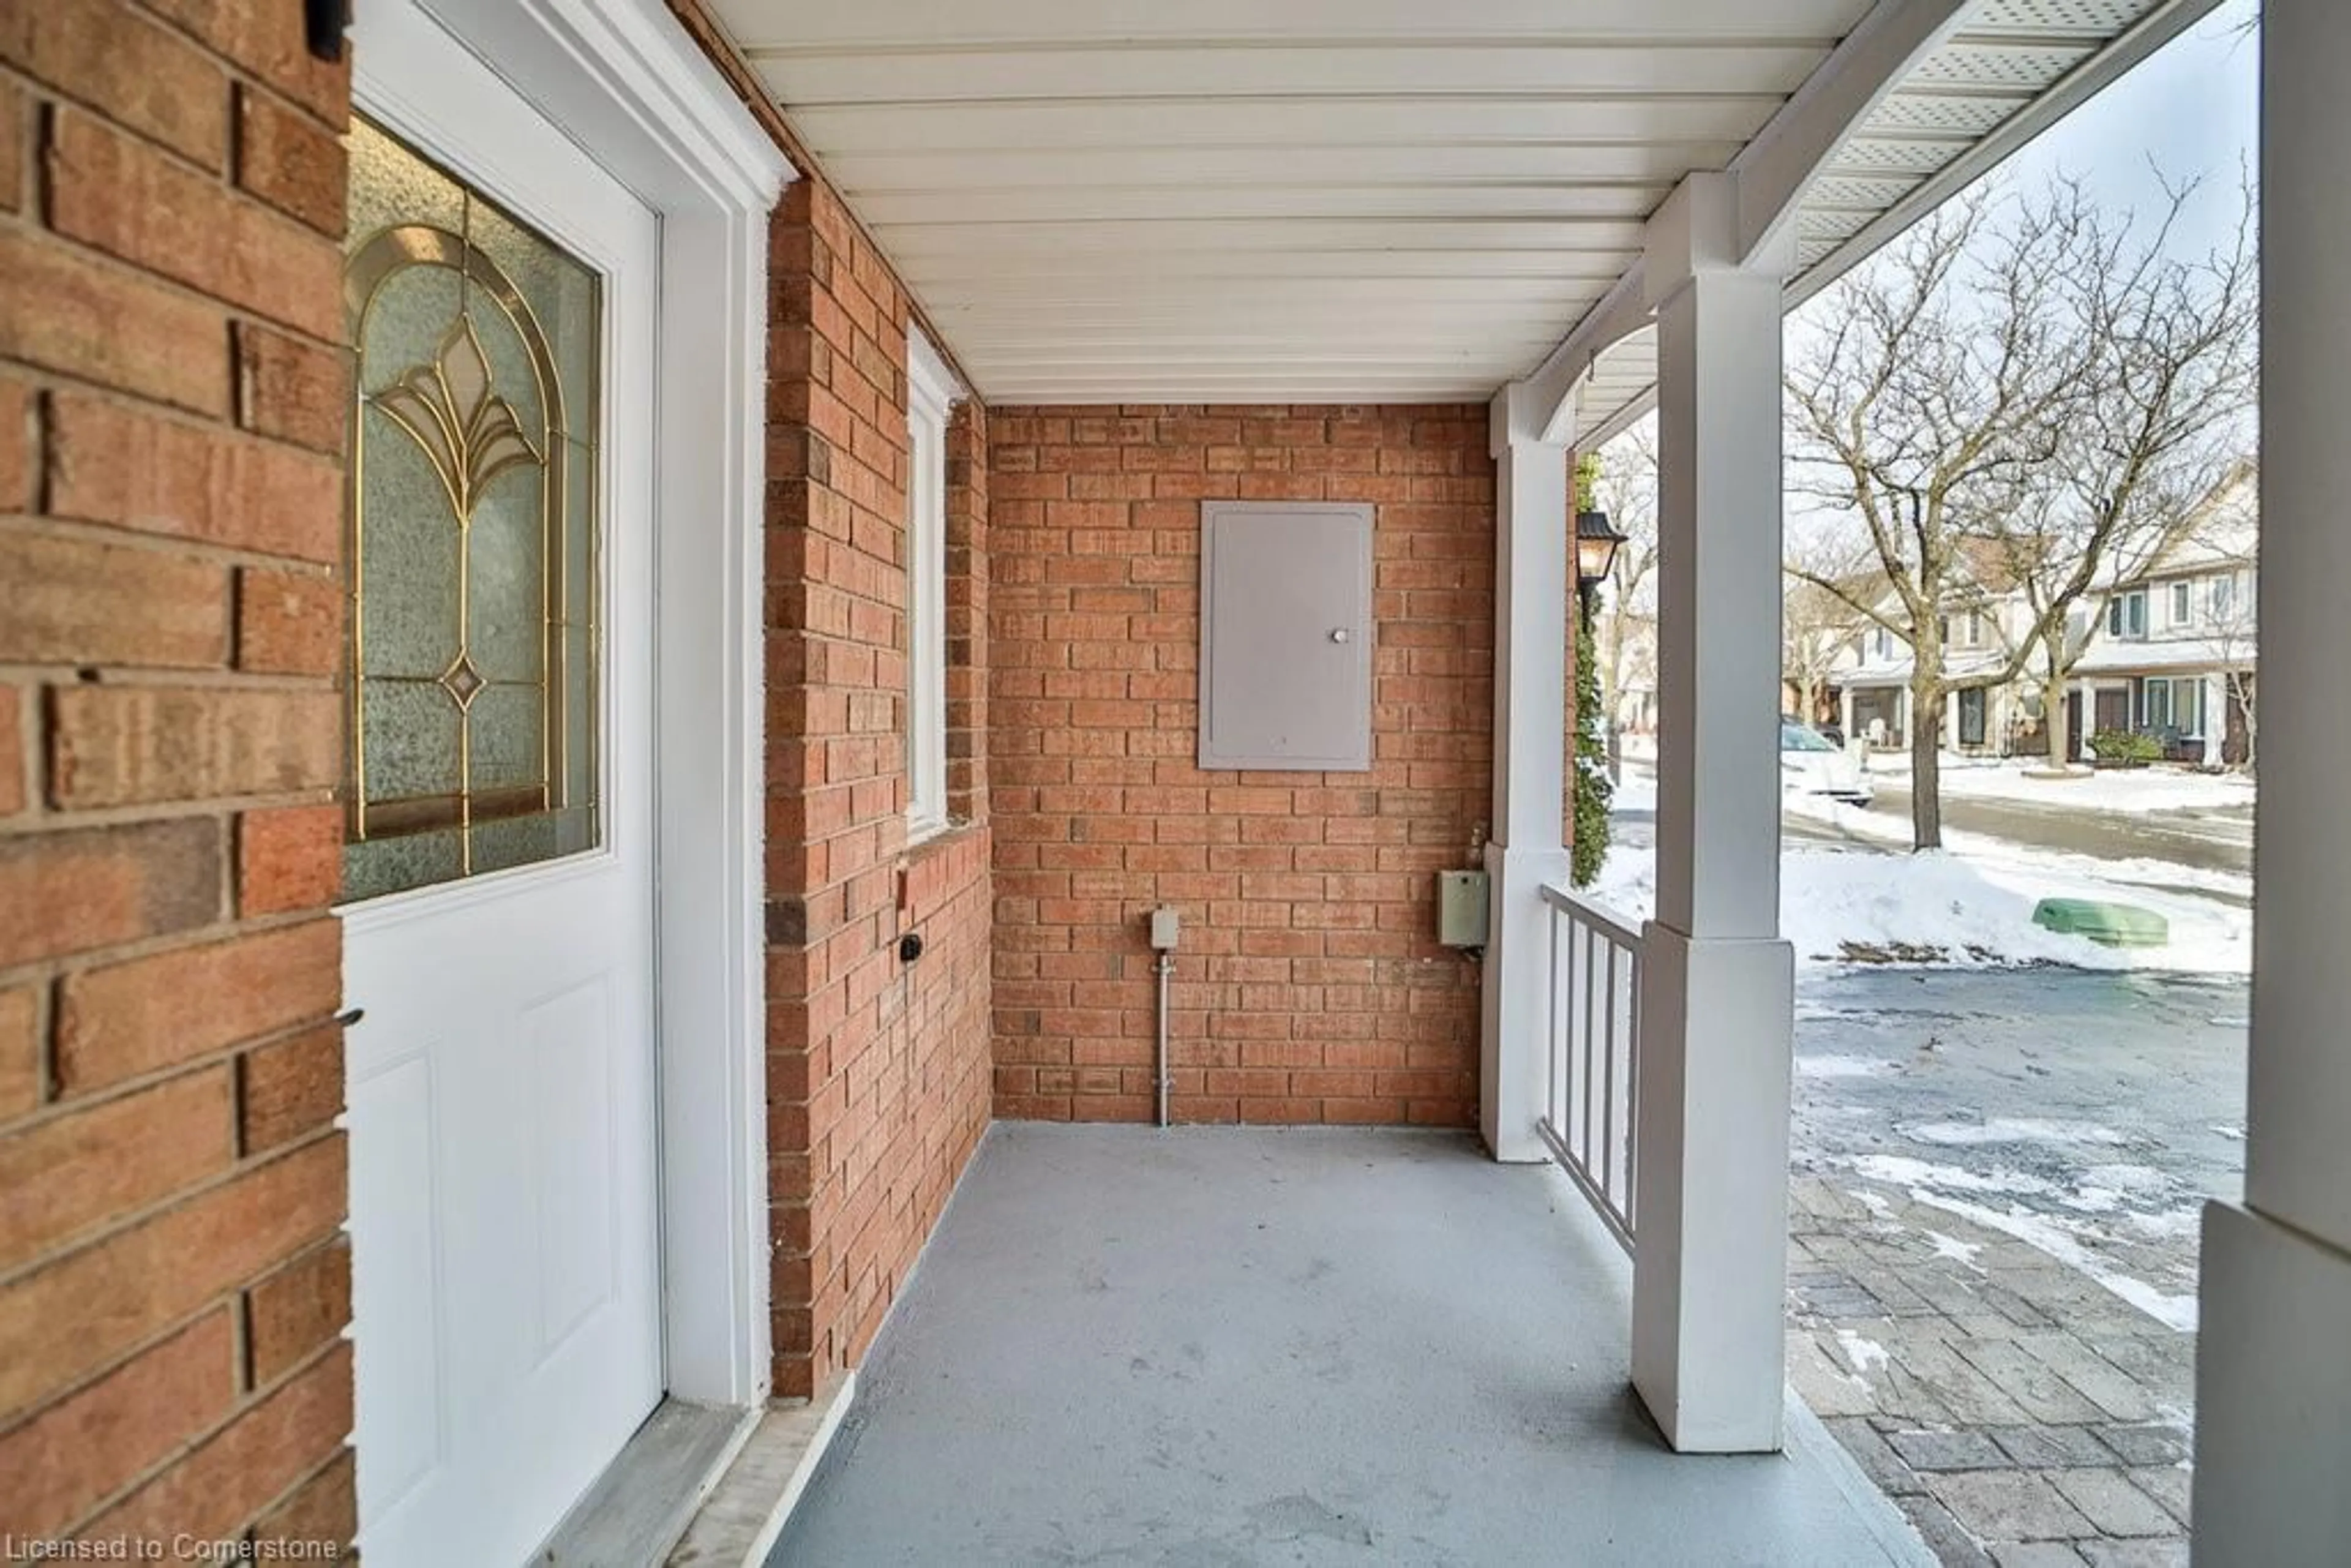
<point x="1286" y="635"/>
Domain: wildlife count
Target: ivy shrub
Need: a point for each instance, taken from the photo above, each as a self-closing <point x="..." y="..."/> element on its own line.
<point x="1589" y="846"/>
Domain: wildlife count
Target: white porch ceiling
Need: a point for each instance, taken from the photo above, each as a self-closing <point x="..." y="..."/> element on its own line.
<point x="1232" y="201"/>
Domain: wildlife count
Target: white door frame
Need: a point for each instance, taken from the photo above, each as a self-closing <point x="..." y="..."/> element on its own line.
<point x="624" y="81"/>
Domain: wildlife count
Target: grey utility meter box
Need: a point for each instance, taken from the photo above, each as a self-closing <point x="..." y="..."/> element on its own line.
<point x="1462" y="908"/>
<point x="1286" y="635"/>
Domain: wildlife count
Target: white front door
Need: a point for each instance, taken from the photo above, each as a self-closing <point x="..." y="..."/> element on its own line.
<point x="501" y="1082"/>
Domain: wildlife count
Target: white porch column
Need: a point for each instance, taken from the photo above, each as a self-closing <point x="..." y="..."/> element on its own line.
<point x="1716" y="992"/>
<point x="1531" y="651"/>
<point x="2216" y="719"/>
<point x="2272" y="1379"/>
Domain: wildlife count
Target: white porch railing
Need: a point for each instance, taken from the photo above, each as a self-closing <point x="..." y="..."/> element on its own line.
<point x="1594" y="1050"/>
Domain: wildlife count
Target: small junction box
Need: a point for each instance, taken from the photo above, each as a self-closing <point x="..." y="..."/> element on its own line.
<point x="1462" y="908"/>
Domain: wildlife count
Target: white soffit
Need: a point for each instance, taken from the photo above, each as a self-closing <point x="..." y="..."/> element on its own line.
<point x="1241" y="200"/>
<point x="1246" y="201"/>
<point x="2010" y="70"/>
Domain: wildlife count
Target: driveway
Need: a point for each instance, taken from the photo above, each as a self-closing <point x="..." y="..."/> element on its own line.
<point x="1997" y="1174"/>
<point x="2105" y="1103"/>
<point x="1993" y="1272"/>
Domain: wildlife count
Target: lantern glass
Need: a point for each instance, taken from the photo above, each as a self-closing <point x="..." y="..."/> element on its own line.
<point x="1595" y="547"/>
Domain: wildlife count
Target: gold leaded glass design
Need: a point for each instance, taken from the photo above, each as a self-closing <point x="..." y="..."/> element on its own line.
<point x="472" y="521"/>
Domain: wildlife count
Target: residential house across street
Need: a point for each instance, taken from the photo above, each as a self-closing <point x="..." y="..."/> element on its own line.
<point x="2167" y="650"/>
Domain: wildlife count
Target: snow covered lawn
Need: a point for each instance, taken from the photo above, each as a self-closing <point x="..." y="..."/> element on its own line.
<point x="2153" y="788"/>
<point x="1968" y="905"/>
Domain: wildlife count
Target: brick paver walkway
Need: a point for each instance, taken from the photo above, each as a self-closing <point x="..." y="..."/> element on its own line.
<point x="2019" y="1411"/>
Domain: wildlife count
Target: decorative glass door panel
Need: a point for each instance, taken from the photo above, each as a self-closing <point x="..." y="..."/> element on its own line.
<point x="473" y="532"/>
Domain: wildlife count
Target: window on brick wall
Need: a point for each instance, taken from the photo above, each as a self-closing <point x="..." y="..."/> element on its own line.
<point x="931" y="391"/>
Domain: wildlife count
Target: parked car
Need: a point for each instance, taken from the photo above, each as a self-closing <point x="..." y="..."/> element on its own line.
<point x="1812" y="764"/>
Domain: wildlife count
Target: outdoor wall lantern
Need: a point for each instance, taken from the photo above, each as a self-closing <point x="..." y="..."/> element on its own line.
<point x="323" y="22"/>
<point x="1595" y="554"/>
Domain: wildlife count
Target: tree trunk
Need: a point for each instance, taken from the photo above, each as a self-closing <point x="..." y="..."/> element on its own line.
<point x="2053" y="718"/>
<point x="1926" y="764"/>
<point x="2053" y="725"/>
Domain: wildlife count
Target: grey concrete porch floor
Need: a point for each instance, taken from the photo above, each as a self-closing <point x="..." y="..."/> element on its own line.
<point x="1226" y="1346"/>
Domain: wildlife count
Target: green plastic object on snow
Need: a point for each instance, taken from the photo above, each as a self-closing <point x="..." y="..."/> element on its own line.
<point x="2109" y="925"/>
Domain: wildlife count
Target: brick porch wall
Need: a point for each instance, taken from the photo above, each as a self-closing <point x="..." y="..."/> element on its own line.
<point x="878" y="1068"/>
<point x="1310" y="985"/>
<point x="172" y="1287"/>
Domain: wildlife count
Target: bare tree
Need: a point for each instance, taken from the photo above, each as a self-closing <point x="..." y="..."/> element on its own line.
<point x="1625" y="487"/>
<point x="2012" y="368"/>
<point x="1817" y="626"/>
<point x="2234" y="640"/>
<point x="2154" y="458"/>
<point x="2235" y="633"/>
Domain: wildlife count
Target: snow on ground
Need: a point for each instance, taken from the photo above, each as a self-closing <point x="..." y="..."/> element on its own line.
<point x="2155" y="789"/>
<point x="1953" y="1249"/>
<point x="1635" y="790"/>
<point x="2011" y="1130"/>
<point x="1968" y="903"/>
<point x="1833" y="1066"/>
<point x="2073" y="1223"/>
<point x="2064" y="1243"/>
<point x="1863" y="1354"/>
<point x="1901" y="1170"/>
<point x="2136" y="873"/>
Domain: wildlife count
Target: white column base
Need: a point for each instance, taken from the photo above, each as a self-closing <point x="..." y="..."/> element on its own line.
<point x="1711" y="1223"/>
<point x="2273" y="1396"/>
<point x="1515" y="1039"/>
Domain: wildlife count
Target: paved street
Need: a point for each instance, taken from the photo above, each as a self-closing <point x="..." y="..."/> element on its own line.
<point x="2217" y="839"/>
<point x="1993" y="1270"/>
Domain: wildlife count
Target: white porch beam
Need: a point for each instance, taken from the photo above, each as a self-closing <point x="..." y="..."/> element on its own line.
<point x="1770" y="174"/>
<point x="2272" y="1384"/>
<point x="1773" y="170"/>
<point x="1530" y="594"/>
<point x="1718" y="984"/>
<point x="1550" y="389"/>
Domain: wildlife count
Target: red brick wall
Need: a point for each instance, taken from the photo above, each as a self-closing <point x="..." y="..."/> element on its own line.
<point x="966" y="600"/>
<point x="1310" y="985"/>
<point x="878" y="1068"/>
<point x="171" y="1284"/>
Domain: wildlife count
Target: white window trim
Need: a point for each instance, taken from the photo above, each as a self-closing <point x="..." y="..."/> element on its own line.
<point x="932" y="392"/>
<point x="2188" y="691"/>
<point x="2120" y="619"/>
